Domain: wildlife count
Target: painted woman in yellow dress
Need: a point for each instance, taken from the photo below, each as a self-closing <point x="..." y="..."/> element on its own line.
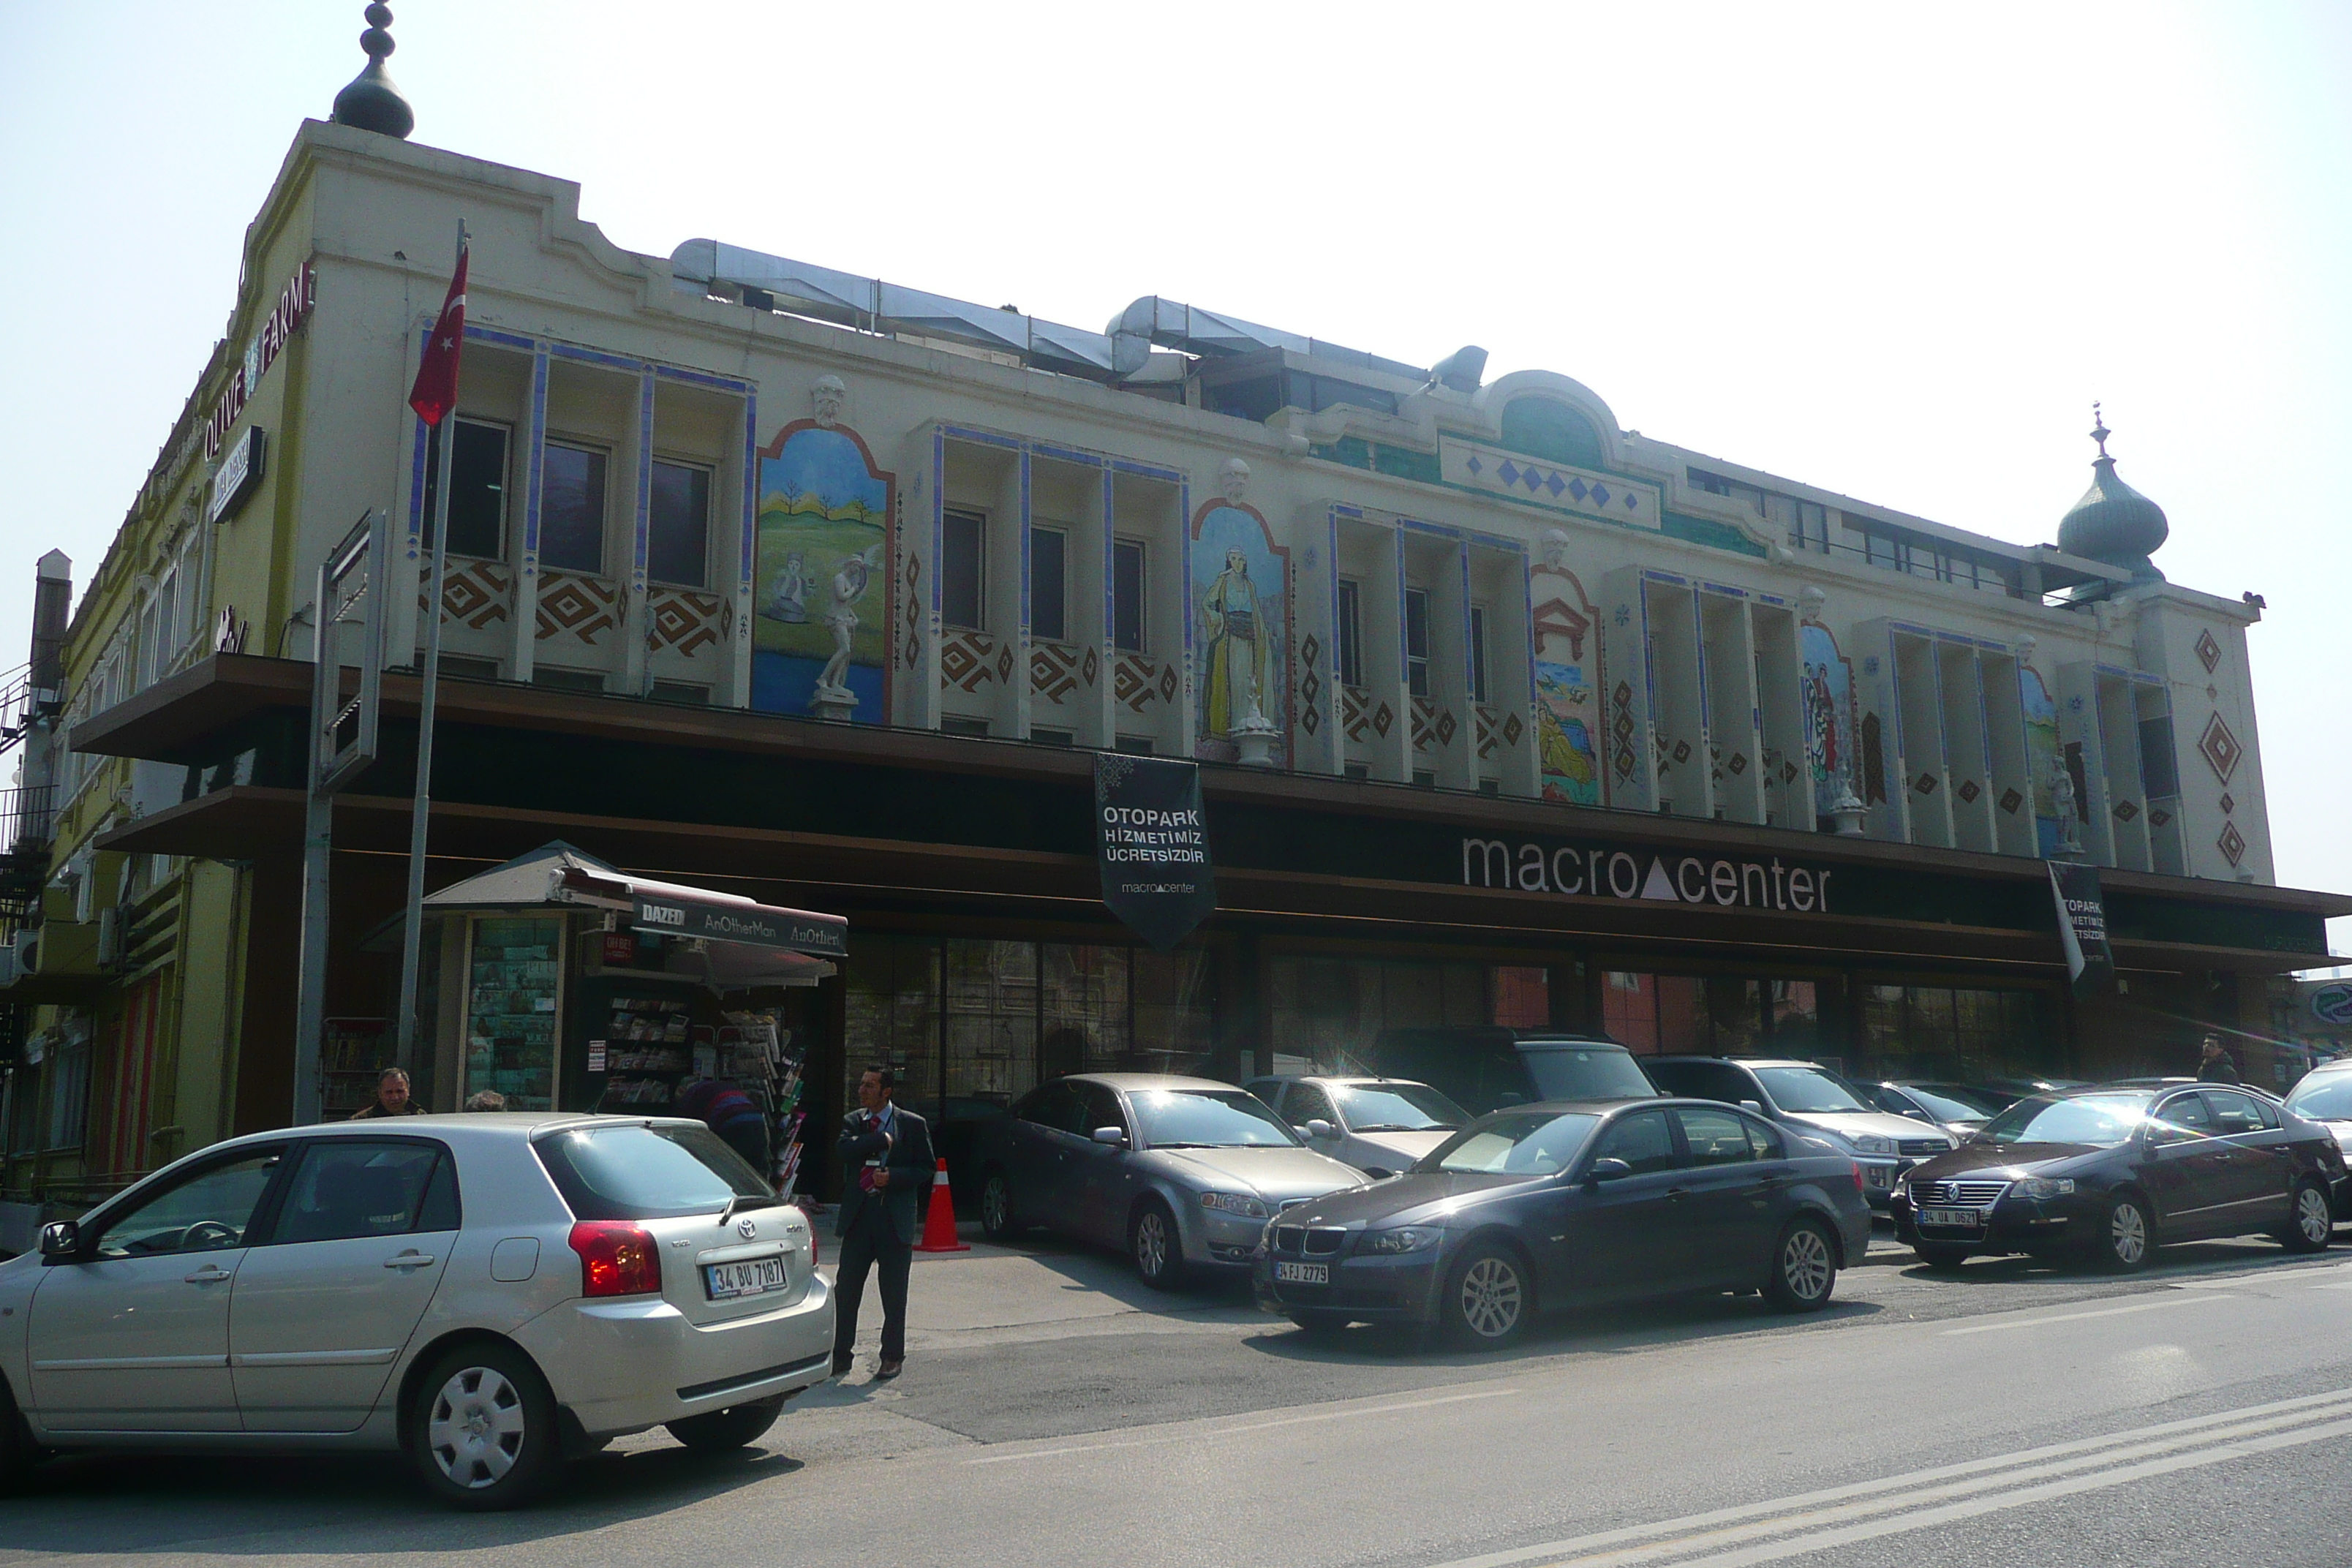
<point x="1233" y="631"/>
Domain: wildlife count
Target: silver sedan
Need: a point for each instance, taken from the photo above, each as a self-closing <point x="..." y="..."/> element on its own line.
<point x="1180" y="1172"/>
<point x="489" y="1294"/>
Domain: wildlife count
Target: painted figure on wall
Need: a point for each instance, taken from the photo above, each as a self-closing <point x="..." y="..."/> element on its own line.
<point x="1566" y="679"/>
<point x="2042" y="757"/>
<point x="1829" y="716"/>
<point x="1240" y="595"/>
<point x="824" y="533"/>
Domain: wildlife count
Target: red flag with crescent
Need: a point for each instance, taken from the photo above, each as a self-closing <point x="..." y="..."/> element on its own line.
<point x="435" y="393"/>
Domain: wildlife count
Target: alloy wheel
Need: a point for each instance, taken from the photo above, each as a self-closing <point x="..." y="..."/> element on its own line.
<point x="1805" y="1264"/>
<point x="993" y="1209"/>
<point x="2127" y="1233"/>
<point x="2314" y="1218"/>
<point x="1151" y="1245"/>
<point x="1491" y="1297"/>
<point x="476" y="1431"/>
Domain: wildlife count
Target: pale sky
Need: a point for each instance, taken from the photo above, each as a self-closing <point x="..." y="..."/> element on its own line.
<point x="1893" y="252"/>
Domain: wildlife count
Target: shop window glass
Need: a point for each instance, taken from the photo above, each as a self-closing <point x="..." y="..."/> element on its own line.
<point x="677" y="532"/>
<point x="1175" y="1009"/>
<point x="1477" y="653"/>
<point x="1416" y="641"/>
<point x="1351" y="632"/>
<point x="511" y="1008"/>
<point x="1937" y="1032"/>
<point x="891" y="1014"/>
<point x="992" y="1006"/>
<point x="1084" y="1009"/>
<point x="1127" y="594"/>
<point x="68" y="1094"/>
<point x="571" y="510"/>
<point x="962" y="535"/>
<point x="1522" y="996"/>
<point x="1629" y="1010"/>
<point x="1679" y="1014"/>
<point x="1049" y="585"/>
<point x="477" y="492"/>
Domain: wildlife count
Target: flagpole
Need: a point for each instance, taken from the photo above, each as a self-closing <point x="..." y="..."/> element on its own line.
<point x="421" y="809"/>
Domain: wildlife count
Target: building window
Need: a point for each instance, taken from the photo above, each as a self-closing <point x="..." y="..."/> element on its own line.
<point x="1127" y="594"/>
<point x="1477" y="653"/>
<point x="962" y="535"/>
<point x="1045" y="736"/>
<point x="1134" y="745"/>
<point x="556" y="679"/>
<point x="1416" y="641"/>
<point x="571" y="510"/>
<point x="969" y="729"/>
<point x="1351" y="632"/>
<point x="1049" y="585"/>
<point x="681" y="691"/>
<point x="677" y="537"/>
<point x="477" y="492"/>
<point x="1886" y="552"/>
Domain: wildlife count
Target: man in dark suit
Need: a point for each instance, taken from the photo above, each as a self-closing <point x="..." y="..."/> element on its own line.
<point x="888" y="1162"/>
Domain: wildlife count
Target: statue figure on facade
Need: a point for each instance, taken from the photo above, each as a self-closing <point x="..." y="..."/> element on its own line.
<point x="827" y="394"/>
<point x="2062" y="798"/>
<point x="833" y="697"/>
<point x="1237" y="656"/>
<point x="1233" y="480"/>
<point x="1555" y="549"/>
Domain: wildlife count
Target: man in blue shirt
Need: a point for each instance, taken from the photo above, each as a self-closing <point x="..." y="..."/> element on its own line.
<point x="887" y="1168"/>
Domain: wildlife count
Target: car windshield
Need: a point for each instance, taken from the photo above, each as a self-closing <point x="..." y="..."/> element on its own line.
<point x="1530" y="1143"/>
<point x="1980" y="1101"/>
<point x="2101" y="1121"/>
<point x="1396" y="1108"/>
<point x="1207" y="1118"/>
<point x="1799" y="1090"/>
<point x="640" y="1172"/>
<point x="1942" y="1107"/>
<point x="2328" y="1100"/>
<point x="1591" y="1072"/>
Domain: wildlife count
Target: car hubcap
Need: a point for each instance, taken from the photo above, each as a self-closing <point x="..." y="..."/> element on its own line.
<point x="1805" y="1264"/>
<point x="1151" y="1245"/>
<point x="1490" y="1297"/>
<point x="991" y="1204"/>
<point x="476" y="1431"/>
<point x="2311" y="1211"/>
<point x="2127" y="1233"/>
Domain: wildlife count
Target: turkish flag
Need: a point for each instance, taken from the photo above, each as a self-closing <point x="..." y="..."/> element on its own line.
<point x="435" y="392"/>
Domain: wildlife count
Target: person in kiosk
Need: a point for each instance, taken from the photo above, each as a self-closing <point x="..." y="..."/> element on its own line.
<point x="888" y="1169"/>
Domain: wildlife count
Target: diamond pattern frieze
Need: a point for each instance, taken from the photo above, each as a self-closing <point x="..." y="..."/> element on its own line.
<point x="2209" y="652"/>
<point x="2232" y="843"/>
<point x="2219" y="748"/>
<point x="1968" y="791"/>
<point x="2125" y="810"/>
<point x="2010" y="801"/>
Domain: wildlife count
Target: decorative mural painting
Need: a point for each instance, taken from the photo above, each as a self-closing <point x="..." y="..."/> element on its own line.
<point x="821" y="589"/>
<point x="1568" y="676"/>
<point x="1828" y="715"/>
<point x="1241" y="631"/>
<point x="2041" y="754"/>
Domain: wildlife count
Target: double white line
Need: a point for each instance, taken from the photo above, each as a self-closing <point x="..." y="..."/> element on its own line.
<point x="1816" y="1521"/>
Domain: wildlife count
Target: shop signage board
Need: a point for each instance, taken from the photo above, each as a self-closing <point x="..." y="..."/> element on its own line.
<point x="261" y="352"/>
<point x="1634" y="871"/>
<point x="238" y="476"/>
<point x="754" y="925"/>
<point x="2333" y="1004"/>
<point x="1152" y="845"/>
<point x="2082" y="925"/>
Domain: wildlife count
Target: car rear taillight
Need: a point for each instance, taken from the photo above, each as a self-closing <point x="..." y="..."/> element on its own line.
<point x="616" y="1258"/>
<point x="1857" y="1175"/>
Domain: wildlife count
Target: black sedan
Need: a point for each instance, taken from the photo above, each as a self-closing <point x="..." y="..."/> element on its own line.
<point x="1572" y="1203"/>
<point x="2116" y="1172"/>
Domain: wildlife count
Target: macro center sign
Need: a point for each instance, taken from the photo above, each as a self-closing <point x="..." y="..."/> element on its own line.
<point x="1600" y="871"/>
<point x="1151" y="843"/>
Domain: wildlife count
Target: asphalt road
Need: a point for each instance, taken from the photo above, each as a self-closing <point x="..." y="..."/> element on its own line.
<point x="1053" y="1411"/>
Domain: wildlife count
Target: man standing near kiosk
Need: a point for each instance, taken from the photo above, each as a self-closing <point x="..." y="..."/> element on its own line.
<point x="888" y="1171"/>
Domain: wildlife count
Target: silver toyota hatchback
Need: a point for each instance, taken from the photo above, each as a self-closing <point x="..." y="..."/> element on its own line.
<point x="490" y="1295"/>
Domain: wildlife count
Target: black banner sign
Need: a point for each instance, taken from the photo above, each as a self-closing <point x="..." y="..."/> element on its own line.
<point x="1152" y="845"/>
<point x="2082" y="926"/>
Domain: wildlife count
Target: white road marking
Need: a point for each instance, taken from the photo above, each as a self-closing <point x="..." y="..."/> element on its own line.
<point x="1237" y="1431"/>
<point x="1777" y="1513"/>
<point x="2077" y="1317"/>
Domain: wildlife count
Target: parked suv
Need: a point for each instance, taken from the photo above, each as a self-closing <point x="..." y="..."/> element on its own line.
<point x="1809" y="1098"/>
<point x="1488" y="1067"/>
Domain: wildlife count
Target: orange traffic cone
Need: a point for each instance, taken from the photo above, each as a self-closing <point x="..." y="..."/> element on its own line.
<point x="938" y="1225"/>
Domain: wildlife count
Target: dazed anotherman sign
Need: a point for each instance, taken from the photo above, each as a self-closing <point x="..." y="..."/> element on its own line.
<point x="1152" y="845"/>
<point x="755" y="925"/>
<point x="1597" y="871"/>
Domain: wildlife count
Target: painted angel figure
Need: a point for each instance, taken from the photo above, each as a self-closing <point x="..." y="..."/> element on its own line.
<point x="850" y="582"/>
<point x="788" y="596"/>
<point x="1233" y="633"/>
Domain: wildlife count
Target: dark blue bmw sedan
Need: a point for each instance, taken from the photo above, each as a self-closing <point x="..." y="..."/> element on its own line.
<point x="1572" y="1203"/>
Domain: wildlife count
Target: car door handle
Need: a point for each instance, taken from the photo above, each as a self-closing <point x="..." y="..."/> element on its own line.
<point x="210" y="1274"/>
<point x="409" y="1261"/>
<point x="1677" y="1194"/>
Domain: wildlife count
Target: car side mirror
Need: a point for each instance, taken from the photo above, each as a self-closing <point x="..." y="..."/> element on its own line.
<point x="60" y="1238"/>
<point x="1318" y="1128"/>
<point x="1754" y="1107"/>
<point x="1114" y="1137"/>
<point x="1606" y="1170"/>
